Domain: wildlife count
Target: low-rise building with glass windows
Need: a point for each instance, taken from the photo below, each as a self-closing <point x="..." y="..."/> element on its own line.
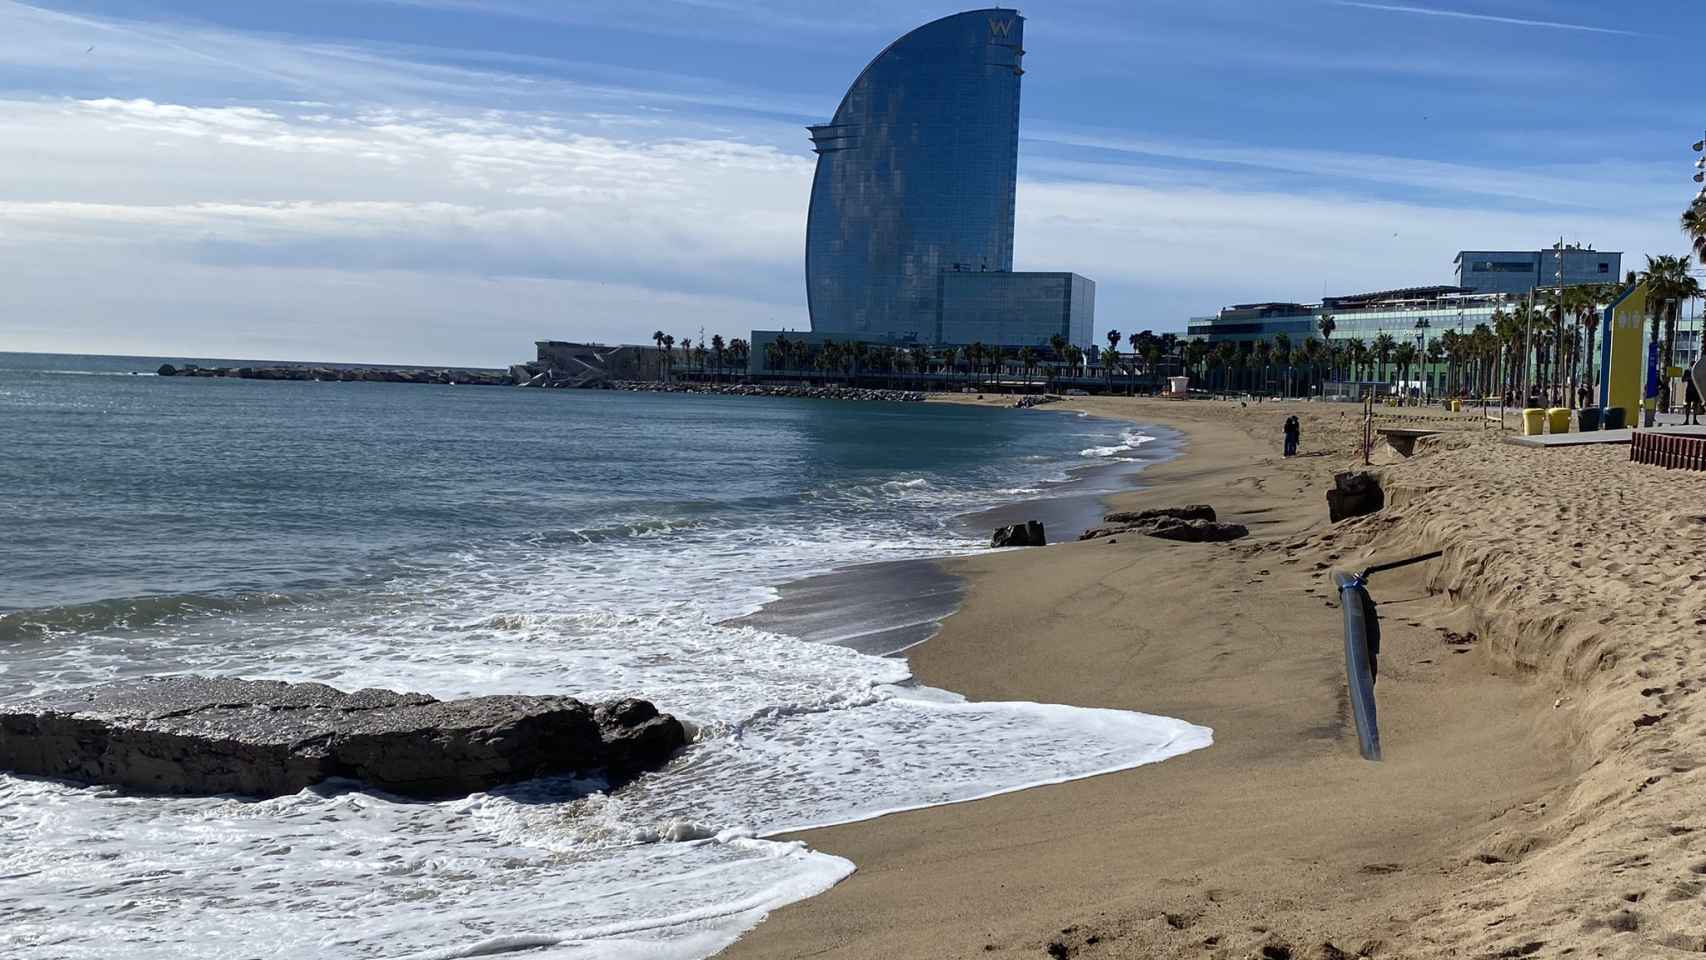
<point x="1516" y="272"/>
<point x="1407" y="312"/>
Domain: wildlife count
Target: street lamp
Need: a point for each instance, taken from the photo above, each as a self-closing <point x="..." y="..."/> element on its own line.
<point x="1422" y="326"/>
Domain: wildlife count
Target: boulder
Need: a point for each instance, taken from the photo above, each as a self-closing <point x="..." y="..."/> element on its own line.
<point x="1193" y="531"/>
<point x="167" y="370"/>
<point x="1354" y="494"/>
<point x="202" y="735"/>
<point x="1028" y="534"/>
<point x="1196" y="511"/>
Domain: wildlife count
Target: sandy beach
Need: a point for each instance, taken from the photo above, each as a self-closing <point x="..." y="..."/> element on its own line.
<point x="1539" y="795"/>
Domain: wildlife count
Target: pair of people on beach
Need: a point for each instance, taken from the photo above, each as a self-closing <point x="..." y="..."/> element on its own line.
<point x="1293" y="430"/>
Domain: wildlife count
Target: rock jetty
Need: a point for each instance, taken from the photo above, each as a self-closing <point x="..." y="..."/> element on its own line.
<point x="1192" y="524"/>
<point x="797" y="391"/>
<point x="1036" y="400"/>
<point x="439" y="375"/>
<point x="203" y="735"/>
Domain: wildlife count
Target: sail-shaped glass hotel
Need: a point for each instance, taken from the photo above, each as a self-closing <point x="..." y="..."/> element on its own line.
<point x="909" y="234"/>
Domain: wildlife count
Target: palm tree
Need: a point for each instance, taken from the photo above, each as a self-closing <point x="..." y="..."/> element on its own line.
<point x="1668" y="285"/>
<point x="657" y="337"/>
<point x="1263" y="351"/>
<point x="1281" y="355"/>
<point x="717" y="347"/>
<point x="1383" y="346"/>
<point x="1109" y="358"/>
<point x="1358" y="356"/>
<point x="739" y="350"/>
<point x="669" y="352"/>
<point x="1435" y="354"/>
<point x="1225" y="352"/>
<point x="1326" y="324"/>
<point x="1509" y="332"/>
<point x="1404" y="354"/>
<point x="1137" y="341"/>
<point x="1694" y="225"/>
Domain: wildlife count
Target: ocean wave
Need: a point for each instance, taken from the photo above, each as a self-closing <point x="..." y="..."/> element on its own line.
<point x="1129" y="440"/>
<point x="128" y="613"/>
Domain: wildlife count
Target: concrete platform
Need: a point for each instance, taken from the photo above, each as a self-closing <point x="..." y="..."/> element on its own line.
<point x="1580" y="439"/>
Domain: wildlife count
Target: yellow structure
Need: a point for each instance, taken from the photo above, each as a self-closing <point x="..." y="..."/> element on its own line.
<point x="1558" y="420"/>
<point x="1533" y="421"/>
<point x="1623" y="353"/>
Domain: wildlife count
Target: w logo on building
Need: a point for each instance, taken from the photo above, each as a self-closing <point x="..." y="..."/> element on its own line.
<point x="1000" y="28"/>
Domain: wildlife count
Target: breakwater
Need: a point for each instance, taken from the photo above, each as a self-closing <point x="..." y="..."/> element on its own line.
<point x="439" y="375"/>
<point x="797" y="391"/>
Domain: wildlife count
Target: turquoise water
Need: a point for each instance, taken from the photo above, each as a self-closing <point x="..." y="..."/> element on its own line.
<point x="468" y="540"/>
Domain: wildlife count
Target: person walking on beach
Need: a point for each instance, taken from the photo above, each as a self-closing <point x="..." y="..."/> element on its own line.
<point x="1292" y="430"/>
<point x="1690" y="402"/>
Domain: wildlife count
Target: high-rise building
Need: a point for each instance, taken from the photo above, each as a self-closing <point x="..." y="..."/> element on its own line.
<point x="909" y="236"/>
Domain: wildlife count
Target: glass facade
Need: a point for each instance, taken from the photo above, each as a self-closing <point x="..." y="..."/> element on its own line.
<point x="1015" y="309"/>
<point x="916" y="177"/>
<point x="1517" y="272"/>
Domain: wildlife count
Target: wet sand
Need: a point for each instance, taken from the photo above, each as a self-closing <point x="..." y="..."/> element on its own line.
<point x="1539" y="796"/>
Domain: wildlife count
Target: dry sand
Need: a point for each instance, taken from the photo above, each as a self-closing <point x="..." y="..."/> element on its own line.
<point x="1539" y="797"/>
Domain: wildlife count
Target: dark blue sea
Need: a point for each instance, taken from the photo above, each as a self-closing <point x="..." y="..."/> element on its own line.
<point x="466" y="540"/>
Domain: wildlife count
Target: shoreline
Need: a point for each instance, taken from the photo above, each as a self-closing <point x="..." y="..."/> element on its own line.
<point x="886" y="607"/>
<point x="1278" y="836"/>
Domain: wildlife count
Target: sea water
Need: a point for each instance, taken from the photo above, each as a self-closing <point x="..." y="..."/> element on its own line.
<point x="466" y="540"/>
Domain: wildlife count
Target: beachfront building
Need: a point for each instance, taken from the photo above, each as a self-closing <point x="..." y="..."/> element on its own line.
<point x="1516" y="272"/>
<point x="1412" y="315"/>
<point x="1364" y="316"/>
<point x="909" y="233"/>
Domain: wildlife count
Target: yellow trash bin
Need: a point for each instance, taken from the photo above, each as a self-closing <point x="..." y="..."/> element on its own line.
<point x="1533" y="421"/>
<point x="1558" y="419"/>
<point x="1457" y="406"/>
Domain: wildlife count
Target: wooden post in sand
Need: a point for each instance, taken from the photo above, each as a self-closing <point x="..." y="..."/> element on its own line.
<point x="1367" y="428"/>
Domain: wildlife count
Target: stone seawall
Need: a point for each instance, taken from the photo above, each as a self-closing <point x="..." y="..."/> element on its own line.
<point x="439" y="375"/>
<point x="771" y="390"/>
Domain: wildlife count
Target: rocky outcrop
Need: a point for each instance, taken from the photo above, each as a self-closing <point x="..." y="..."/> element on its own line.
<point x="1195" y="523"/>
<point x="1029" y="534"/>
<point x="202" y="735"/>
<point x="1353" y="495"/>
<point x="1036" y="400"/>
<point x="1194" y="531"/>
<point x="796" y="391"/>
<point x="441" y="375"/>
<point x="1196" y="511"/>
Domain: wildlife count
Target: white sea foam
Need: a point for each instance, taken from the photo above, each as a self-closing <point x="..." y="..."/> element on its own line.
<point x="788" y="734"/>
<point x="1130" y="440"/>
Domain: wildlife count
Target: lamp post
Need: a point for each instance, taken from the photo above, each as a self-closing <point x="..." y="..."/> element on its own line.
<point x="1422" y="326"/>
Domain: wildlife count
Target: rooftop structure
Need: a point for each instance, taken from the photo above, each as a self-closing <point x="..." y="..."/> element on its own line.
<point x="1519" y="271"/>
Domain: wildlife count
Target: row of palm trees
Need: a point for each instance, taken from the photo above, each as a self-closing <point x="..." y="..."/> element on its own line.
<point x="723" y="354"/>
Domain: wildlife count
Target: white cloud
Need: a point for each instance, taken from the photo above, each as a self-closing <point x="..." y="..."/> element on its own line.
<point x="412" y="223"/>
<point x="1488" y="18"/>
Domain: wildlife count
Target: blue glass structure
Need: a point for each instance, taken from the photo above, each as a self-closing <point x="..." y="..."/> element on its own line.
<point x="916" y="177"/>
<point x="1519" y="271"/>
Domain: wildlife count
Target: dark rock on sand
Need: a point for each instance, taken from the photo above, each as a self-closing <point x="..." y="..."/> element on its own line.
<point x="1029" y="534"/>
<point x="1353" y="495"/>
<point x="202" y="735"/>
<point x="1194" y="531"/>
<point x="1168" y="526"/>
<point x="1196" y="511"/>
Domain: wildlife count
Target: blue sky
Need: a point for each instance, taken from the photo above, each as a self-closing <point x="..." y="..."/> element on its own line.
<point x="444" y="181"/>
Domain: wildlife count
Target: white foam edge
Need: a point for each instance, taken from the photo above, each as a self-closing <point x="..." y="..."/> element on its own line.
<point x="1187" y="737"/>
<point x="737" y="917"/>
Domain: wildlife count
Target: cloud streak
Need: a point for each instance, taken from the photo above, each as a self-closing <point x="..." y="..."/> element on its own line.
<point x="1487" y="17"/>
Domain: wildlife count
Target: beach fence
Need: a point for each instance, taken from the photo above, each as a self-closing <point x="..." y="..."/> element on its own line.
<point x="1668" y="450"/>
